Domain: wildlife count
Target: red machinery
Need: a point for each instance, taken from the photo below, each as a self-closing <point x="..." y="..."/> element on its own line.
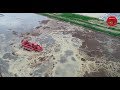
<point x="31" y="46"/>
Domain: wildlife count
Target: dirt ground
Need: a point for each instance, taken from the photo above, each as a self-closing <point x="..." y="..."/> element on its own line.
<point x="68" y="51"/>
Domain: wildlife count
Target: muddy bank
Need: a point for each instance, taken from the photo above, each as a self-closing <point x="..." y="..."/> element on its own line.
<point x="68" y="51"/>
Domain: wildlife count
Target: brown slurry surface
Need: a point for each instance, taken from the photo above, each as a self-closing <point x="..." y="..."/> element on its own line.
<point x="69" y="50"/>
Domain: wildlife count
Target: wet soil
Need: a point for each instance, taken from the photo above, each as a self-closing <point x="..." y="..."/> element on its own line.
<point x="68" y="50"/>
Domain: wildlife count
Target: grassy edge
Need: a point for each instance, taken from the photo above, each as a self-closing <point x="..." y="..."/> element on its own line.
<point x="84" y="25"/>
<point x="77" y="17"/>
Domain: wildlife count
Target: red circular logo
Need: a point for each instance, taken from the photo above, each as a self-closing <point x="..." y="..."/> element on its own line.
<point x="111" y="21"/>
